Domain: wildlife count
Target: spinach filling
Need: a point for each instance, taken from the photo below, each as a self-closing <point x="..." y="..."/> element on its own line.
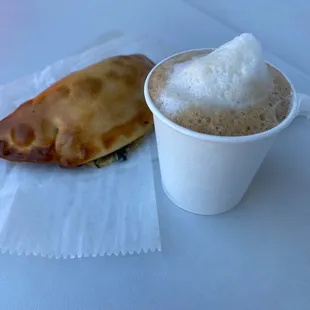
<point x="119" y="155"/>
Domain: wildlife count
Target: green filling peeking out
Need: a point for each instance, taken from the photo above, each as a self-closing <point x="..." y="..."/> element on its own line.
<point x="119" y="155"/>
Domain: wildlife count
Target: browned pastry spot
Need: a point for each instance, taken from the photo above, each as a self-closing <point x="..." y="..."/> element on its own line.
<point x="27" y="103"/>
<point x="41" y="154"/>
<point x="129" y="79"/>
<point x="48" y="129"/>
<point x="112" y="74"/>
<point x="3" y="148"/>
<point x="143" y="57"/>
<point x="118" y="62"/>
<point x="91" y="86"/>
<point x="111" y="136"/>
<point x="59" y="93"/>
<point x="144" y="118"/>
<point x="126" y="130"/>
<point x="73" y="147"/>
<point x="41" y="98"/>
<point x="22" y="134"/>
<point x="108" y="141"/>
<point x="82" y="152"/>
<point x="90" y="151"/>
<point x="125" y="57"/>
<point x="15" y="155"/>
<point x="131" y="69"/>
<point x="63" y="91"/>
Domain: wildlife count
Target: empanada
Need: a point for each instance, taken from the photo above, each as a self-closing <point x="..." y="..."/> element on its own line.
<point x="87" y="115"/>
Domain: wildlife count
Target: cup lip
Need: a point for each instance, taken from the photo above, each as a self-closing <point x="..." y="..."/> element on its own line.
<point x="213" y="138"/>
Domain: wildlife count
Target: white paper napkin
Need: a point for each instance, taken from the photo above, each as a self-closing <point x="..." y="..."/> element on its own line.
<point x="54" y="212"/>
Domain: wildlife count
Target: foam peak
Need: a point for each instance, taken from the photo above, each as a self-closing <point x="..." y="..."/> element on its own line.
<point x="234" y="75"/>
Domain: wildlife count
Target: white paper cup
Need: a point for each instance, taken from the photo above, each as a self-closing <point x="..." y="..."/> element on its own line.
<point x="207" y="174"/>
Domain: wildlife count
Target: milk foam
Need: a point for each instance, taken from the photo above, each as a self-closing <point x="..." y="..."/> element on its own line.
<point x="233" y="76"/>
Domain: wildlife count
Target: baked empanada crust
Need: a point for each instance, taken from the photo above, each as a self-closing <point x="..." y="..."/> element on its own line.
<point x="84" y="116"/>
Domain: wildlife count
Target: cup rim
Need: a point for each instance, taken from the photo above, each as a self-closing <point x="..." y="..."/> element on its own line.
<point x="226" y="139"/>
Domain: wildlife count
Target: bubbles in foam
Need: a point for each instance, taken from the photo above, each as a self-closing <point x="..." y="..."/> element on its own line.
<point x="235" y="76"/>
<point x="222" y="120"/>
<point x="238" y="122"/>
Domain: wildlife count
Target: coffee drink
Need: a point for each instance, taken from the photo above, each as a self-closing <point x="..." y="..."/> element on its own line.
<point x="231" y="94"/>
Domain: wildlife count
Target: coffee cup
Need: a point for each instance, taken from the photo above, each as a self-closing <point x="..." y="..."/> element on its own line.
<point x="207" y="174"/>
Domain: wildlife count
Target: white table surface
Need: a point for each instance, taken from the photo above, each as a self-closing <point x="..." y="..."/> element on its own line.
<point x="254" y="257"/>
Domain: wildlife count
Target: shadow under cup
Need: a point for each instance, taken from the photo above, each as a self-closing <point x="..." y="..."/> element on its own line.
<point x="208" y="174"/>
